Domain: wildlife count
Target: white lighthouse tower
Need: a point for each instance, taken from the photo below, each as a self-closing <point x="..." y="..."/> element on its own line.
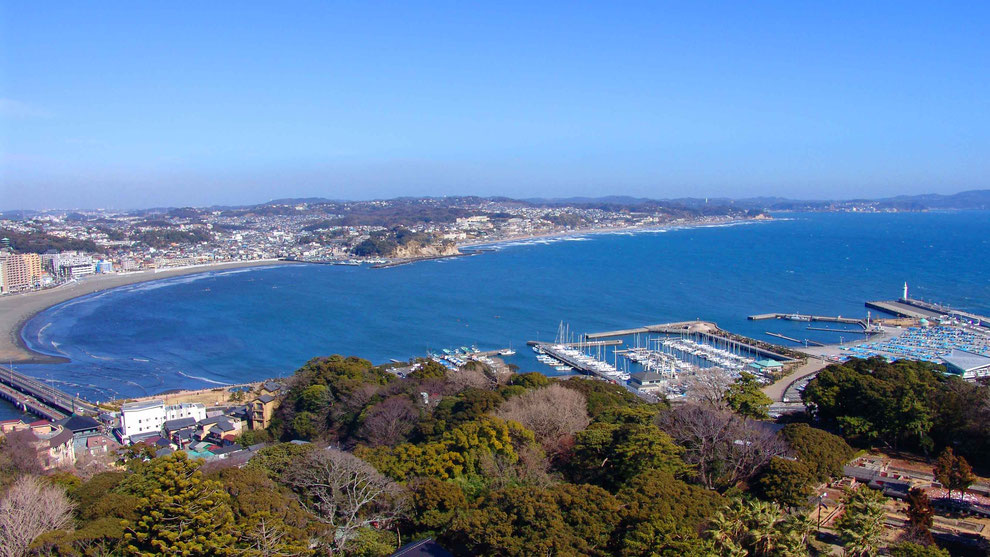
<point x="905" y="292"/>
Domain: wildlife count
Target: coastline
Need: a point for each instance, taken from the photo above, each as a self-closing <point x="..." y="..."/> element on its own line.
<point x="472" y="245"/>
<point x="16" y="310"/>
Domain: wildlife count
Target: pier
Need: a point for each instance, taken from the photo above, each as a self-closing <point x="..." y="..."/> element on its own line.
<point x="822" y="318"/>
<point x="704" y="329"/>
<point x="804" y="342"/>
<point x="901" y="309"/>
<point x="553" y="350"/>
<point x="587" y="344"/>
<point x="39" y="398"/>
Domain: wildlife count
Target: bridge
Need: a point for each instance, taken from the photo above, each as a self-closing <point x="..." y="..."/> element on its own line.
<point x="39" y="398"/>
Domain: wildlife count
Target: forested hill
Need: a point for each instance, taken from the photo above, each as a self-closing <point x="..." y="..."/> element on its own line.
<point x="516" y="465"/>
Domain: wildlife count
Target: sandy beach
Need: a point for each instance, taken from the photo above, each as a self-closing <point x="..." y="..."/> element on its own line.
<point x="17" y="309"/>
<point x="473" y="244"/>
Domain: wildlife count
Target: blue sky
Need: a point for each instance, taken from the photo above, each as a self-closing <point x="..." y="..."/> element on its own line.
<point x="130" y="105"/>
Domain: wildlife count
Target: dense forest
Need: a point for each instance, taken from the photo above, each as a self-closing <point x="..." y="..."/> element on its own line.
<point x="903" y="405"/>
<point x="359" y="461"/>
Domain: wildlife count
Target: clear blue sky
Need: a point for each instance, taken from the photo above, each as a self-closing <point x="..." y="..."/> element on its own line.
<point x="126" y="105"/>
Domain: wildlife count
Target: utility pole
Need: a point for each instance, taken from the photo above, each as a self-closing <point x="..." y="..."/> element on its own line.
<point x="821" y="498"/>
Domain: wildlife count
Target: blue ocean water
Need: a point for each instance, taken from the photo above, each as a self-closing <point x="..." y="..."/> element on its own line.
<point x="234" y="326"/>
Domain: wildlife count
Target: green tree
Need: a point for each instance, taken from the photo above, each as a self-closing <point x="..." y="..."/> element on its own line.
<point x="275" y="460"/>
<point x="661" y="515"/>
<point x="428" y="369"/>
<point x="512" y="522"/>
<point x="434" y="504"/>
<point x="921" y="515"/>
<point x="745" y="397"/>
<point x="876" y="400"/>
<point x="753" y="527"/>
<point x="609" y="454"/>
<point x="602" y="396"/>
<point x="589" y="513"/>
<point x="531" y="380"/>
<point x="953" y="472"/>
<point x="185" y="515"/>
<point x="861" y="524"/>
<point x="787" y="482"/>
<point x="797" y="531"/>
<point x="822" y="452"/>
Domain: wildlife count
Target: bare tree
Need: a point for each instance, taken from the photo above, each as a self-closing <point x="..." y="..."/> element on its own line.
<point x="722" y="447"/>
<point x="345" y="493"/>
<point x="462" y="379"/>
<point x="530" y="469"/>
<point x="265" y="535"/>
<point x="389" y="421"/>
<point x="31" y="508"/>
<point x="551" y="413"/>
<point x="709" y="385"/>
<point x="21" y="449"/>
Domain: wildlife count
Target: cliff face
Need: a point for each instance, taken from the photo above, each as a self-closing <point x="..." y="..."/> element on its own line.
<point x="414" y="249"/>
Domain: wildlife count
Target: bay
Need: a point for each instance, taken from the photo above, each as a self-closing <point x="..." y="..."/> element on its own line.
<point x="229" y="327"/>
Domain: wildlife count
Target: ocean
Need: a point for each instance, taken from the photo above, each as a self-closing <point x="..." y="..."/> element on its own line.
<point x="228" y="327"/>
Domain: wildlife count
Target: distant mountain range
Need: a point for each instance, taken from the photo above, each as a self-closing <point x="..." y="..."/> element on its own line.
<point x="973" y="199"/>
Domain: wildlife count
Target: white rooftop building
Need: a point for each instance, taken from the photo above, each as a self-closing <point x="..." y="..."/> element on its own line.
<point x="967" y="364"/>
<point x="144" y="418"/>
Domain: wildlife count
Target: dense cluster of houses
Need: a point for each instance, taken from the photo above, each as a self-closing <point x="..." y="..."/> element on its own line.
<point x="207" y="433"/>
<point x="195" y="429"/>
<point x="62" y="443"/>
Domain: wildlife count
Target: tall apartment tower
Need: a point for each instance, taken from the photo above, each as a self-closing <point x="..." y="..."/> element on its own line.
<point x="20" y="271"/>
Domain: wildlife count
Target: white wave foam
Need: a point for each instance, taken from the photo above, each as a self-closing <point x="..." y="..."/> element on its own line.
<point x="202" y="379"/>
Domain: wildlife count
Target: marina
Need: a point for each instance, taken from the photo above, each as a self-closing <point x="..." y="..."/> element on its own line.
<point x="666" y="355"/>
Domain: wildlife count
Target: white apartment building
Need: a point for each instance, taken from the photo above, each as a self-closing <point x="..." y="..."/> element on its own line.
<point x="142" y="418"/>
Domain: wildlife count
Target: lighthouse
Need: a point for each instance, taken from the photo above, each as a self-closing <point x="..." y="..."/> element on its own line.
<point x="905" y="292"/>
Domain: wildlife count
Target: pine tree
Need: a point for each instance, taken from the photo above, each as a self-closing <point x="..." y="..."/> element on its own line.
<point x="181" y="513"/>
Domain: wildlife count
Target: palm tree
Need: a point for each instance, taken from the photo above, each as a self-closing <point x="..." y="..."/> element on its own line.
<point x="861" y="524"/>
<point x="726" y="530"/>
<point x="762" y="519"/>
<point x="797" y="528"/>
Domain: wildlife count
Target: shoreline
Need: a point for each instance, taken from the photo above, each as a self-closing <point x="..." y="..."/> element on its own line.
<point x="16" y="310"/>
<point x="471" y="245"/>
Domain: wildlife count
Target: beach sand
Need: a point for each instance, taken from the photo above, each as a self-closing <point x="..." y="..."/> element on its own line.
<point x="17" y="309"/>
